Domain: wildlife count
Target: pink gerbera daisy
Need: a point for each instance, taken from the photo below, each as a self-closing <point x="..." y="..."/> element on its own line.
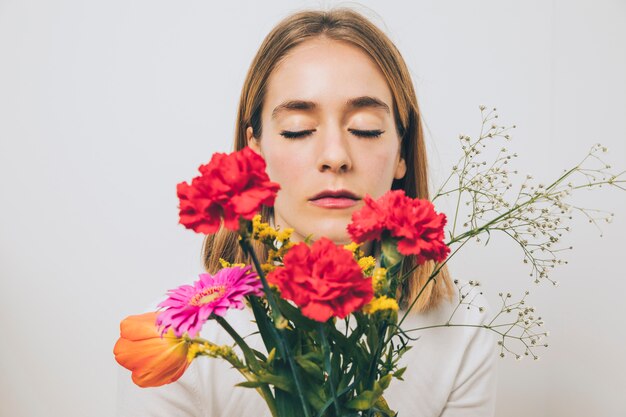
<point x="188" y="307"/>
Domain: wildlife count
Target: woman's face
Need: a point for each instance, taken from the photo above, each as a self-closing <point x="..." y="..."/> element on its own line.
<point x="338" y="102"/>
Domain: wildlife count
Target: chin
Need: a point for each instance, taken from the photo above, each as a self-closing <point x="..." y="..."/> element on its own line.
<point x="335" y="230"/>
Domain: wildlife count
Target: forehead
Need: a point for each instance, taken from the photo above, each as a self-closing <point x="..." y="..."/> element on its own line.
<point x="327" y="74"/>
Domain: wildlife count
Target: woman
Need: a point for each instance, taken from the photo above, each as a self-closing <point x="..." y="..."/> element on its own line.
<point x="329" y="103"/>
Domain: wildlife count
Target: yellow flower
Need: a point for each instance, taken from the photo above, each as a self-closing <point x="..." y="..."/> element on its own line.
<point x="355" y="249"/>
<point x="379" y="279"/>
<point x="213" y="351"/>
<point x="380" y="304"/>
<point x="352" y="247"/>
<point x="225" y="264"/>
<point x="256" y="220"/>
<point x="272" y="255"/>
<point x="263" y="231"/>
<point x="367" y="263"/>
<point x="283" y="249"/>
<point x="284" y="235"/>
<point x="258" y="227"/>
<point x="267" y="233"/>
<point x="277" y="255"/>
<point x="194" y="350"/>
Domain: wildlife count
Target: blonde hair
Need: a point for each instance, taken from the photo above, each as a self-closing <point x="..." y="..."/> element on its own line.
<point x="341" y="24"/>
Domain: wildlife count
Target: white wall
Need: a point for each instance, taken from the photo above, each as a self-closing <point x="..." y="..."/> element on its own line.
<point x="105" y="106"/>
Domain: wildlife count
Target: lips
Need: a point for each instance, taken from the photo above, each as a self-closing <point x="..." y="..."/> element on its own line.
<point x="335" y="199"/>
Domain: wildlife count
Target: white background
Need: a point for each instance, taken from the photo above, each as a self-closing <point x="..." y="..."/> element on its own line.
<point x="106" y="105"/>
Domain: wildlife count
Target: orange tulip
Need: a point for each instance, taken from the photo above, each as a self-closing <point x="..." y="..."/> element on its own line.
<point x="153" y="360"/>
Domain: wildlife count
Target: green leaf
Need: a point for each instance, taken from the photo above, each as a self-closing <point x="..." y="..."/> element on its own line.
<point x="343" y="343"/>
<point x="250" y="384"/>
<point x="391" y="256"/>
<point x="335" y="363"/>
<point x="279" y="381"/>
<point x="314" y="355"/>
<point x="311" y="368"/>
<point x="398" y="374"/>
<point x="384" y="381"/>
<point x="315" y="396"/>
<point x="378" y="389"/>
<point x="346" y="378"/>
<point x="270" y="357"/>
<point x="372" y="338"/>
<point x="382" y="406"/>
<point x="259" y="355"/>
<point x="287" y="404"/>
<point x="363" y="401"/>
<point x="293" y="314"/>
<point x="263" y="322"/>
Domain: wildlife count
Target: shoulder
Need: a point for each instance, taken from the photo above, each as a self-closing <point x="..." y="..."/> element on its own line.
<point x="452" y="359"/>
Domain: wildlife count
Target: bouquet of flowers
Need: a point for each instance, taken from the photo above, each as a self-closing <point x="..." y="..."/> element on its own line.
<point x="328" y="314"/>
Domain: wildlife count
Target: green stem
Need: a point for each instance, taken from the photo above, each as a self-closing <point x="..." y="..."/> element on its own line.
<point x="247" y="352"/>
<point x="474" y="232"/>
<point x="264" y="389"/>
<point x="381" y="344"/>
<point x="432" y="277"/>
<point x="327" y="365"/>
<point x="279" y="320"/>
<point x="480" y="326"/>
<point x="327" y="404"/>
<point x="278" y="332"/>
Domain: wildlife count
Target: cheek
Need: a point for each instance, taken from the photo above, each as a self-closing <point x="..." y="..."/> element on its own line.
<point x="377" y="168"/>
<point x="286" y="168"/>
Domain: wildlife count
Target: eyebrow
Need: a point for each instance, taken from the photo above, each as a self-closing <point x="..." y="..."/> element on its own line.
<point x="352" y="104"/>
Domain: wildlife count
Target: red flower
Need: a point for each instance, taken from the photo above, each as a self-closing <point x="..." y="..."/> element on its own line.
<point x="414" y="222"/>
<point x="367" y="223"/>
<point x="323" y="280"/>
<point x="230" y="186"/>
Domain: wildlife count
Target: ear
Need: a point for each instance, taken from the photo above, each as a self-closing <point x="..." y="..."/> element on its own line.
<point x="253" y="142"/>
<point x="400" y="169"/>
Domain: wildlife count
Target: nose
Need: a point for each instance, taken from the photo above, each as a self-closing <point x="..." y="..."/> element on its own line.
<point x="334" y="152"/>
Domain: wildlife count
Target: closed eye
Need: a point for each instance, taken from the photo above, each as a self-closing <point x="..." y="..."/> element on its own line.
<point x="361" y="133"/>
<point x="292" y="135"/>
<point x="367" y="133"/>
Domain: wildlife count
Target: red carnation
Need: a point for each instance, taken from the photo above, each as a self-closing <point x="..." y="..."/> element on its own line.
<point x="414" y="222"/>
<point x="231" y="185"/>
<point x="367" y="223"/>
<point x="323" y="280"/>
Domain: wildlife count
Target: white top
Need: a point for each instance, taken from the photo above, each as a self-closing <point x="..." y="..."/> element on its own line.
<point x="451" y="373"/>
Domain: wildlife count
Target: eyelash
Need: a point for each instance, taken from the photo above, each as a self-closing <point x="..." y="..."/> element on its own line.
<point x="361" y="133"/>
